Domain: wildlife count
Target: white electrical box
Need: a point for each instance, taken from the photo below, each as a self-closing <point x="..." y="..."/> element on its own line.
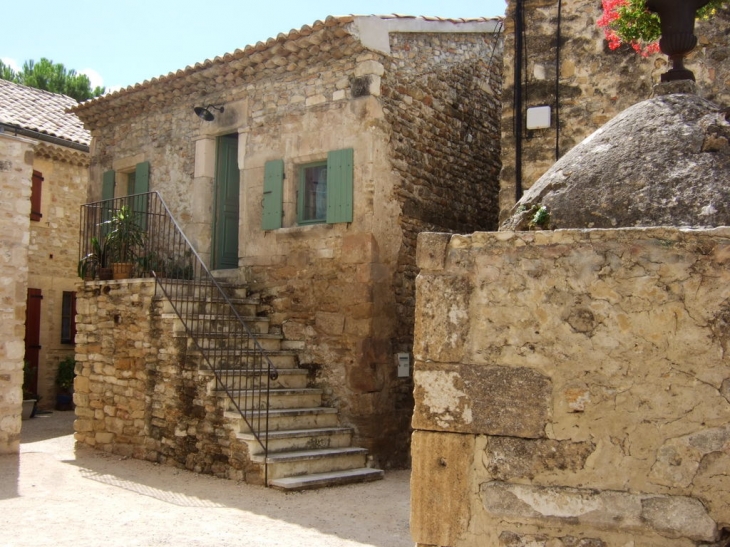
<point x="538" y="117"/>
<point x="404" y="365"/>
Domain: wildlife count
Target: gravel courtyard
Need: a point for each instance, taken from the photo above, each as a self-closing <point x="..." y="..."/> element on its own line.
<point x="56" y="494"/>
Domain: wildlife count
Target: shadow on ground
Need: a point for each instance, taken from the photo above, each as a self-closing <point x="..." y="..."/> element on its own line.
<point x="373" y="514"/>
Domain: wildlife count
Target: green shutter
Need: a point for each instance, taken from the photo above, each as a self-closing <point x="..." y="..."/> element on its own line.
<point x="339" y="185"/>
<point x="107" y="195"/>
<point x="273" y="194"/>
<point x="141" y="186"/>
<point x="107" y="185"/>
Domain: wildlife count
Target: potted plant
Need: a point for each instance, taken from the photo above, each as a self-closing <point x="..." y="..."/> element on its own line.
<point x="30" y="399"/>
<point x="96" y="263"/>
<point x="125" y="237"/>
<point x="152" y="262"/>
<point x="631" y="22"/>
<point x="65" y="383"/>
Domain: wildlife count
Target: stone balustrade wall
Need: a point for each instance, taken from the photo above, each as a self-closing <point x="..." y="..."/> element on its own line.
<point x="138" y="394"/>
<point x="572" y="389"/>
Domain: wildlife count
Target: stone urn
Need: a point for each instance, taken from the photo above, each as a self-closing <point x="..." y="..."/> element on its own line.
<point x="678" y="27"/>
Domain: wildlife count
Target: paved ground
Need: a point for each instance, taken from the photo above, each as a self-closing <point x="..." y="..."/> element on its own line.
<point x="54" y="494"/>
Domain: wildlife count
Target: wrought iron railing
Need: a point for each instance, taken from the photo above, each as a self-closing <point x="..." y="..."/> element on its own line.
<point x="157" y="247"/>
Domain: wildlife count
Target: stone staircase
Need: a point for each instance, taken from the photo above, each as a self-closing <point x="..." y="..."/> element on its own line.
<point x="307" y="448"/>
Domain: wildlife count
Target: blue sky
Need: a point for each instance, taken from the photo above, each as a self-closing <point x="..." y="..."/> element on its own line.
<point x="123" y="42"/>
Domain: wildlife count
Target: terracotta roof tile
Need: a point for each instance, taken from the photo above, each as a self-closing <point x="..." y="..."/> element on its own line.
<point x="249" y="50"/>
<point x="41" y="111"/>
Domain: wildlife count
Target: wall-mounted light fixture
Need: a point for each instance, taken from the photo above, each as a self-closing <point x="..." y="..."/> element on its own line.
<point x="205" y="114"/>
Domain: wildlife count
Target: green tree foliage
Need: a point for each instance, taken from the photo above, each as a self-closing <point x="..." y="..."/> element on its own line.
<point x="54" y="77"/>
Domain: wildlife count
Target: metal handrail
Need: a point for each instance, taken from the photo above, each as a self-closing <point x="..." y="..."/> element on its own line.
<point x="160" y="249"/>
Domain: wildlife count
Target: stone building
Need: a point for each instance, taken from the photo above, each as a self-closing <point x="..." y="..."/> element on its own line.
<point x="572" y="385"/>
<point x="57" y="157"/>
<point x="582" y="82"/>
<point x="401" y="114"/>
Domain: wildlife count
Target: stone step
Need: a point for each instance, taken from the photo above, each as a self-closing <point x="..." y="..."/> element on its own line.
<point x="283" y="359"/>
<point x="233" y="378"/>
<point x="324" y="480"/>
<point x="213" y="305"/>
<point x="217" y="341"/>
<point x="300" y="439"/>
<point x="278" y="398"/>
<point x="309" y="462"/>
<point x="219" y="324"/>
<point x="177" y="288"/>
<point x="290" y="418"/>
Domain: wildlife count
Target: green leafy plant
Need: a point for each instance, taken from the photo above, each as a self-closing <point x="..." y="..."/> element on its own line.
<point x="630" y="22"/>
<point x="126" y="235"/>
<point x="54" y="77"/>
<point x="66" y="374"/>
<point x="540" y="219"/>
<point x="89" y="265"/>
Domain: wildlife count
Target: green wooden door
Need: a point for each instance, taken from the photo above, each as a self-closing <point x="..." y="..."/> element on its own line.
<point x="225" y="222"/>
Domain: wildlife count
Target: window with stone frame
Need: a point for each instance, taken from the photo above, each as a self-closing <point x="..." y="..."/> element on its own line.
<point x="325" y="191"/>
<point x="312" y="194"/>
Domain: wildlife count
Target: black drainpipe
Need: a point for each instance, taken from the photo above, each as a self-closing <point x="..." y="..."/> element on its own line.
<point x="557" y="84"/>
<point x="519" y="45"/>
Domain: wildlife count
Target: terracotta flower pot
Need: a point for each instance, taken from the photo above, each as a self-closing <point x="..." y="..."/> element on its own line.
<point x="122" y="270"/>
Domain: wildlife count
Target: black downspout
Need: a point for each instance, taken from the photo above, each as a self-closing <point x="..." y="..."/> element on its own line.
<point x="519" y="37"/>
<point x="557" y="83"/>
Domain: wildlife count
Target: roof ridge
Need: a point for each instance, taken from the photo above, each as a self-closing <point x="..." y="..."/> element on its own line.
<point x="250" y="49"/>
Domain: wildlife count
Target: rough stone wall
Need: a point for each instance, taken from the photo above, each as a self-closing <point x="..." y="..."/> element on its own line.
<point x="52" y="260"/>
<point x="595" y="83"/>
<point x="16" y="169"/>
<point x="441" y="100"/>
<point x="137" y="392"/>
<point x="572" y="388"/>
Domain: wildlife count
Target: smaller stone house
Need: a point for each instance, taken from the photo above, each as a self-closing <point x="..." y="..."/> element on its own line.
<point x="58" y="181"/>
<point x="321" y="155"/>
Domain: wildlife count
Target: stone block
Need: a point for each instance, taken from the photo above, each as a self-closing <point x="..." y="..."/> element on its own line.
<point x="359" y="249"/>
<point x="442" y="317"/>
<point x="553" y="506"/>
<point x="440" y="484"/>
<point x="431" y="251"/>
<point x="330" y="323"/>
<point x="481" y="399"/>
<point x="508" y="458"/>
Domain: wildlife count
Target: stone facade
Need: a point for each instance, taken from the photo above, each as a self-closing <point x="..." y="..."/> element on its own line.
<point x="16" y="169"/>
<point x="572" y="389"/>
<point x="138" y="394"/>
<point x="417" y="102"/>
<point x="53" y="255"/>
<point x="594" y="83"/>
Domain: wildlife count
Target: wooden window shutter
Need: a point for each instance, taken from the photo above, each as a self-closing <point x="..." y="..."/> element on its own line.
<point x="35" y="196"/>
<point x="68" y="317"/>
<point x="141" y="186"/>
<point x="107" y="194"/>
<point x="107" y="185"/>
<point x="273" y="195"/>
<point x="339" y="185"/>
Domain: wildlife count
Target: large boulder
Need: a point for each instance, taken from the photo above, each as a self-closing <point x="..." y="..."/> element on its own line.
<point x="662" y="162"/>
